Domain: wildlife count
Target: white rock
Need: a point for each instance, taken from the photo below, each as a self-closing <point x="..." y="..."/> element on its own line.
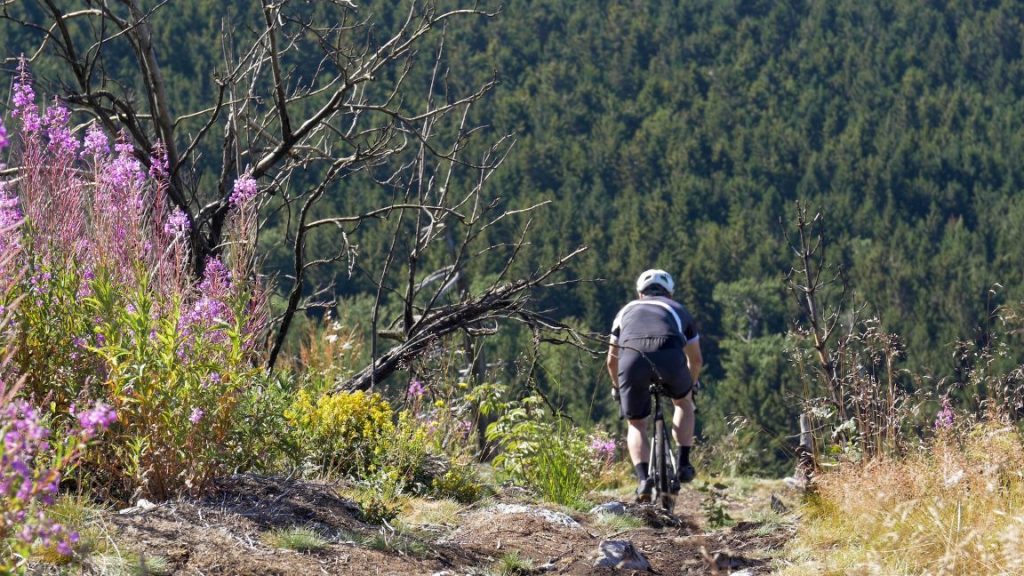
<point x="621" y="554"/>
<point x="549" y="515"/>
<point x="614" y="508"/>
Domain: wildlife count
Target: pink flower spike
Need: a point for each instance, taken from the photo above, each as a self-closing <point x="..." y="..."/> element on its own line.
<point x="944" y="419"/>
<point x="97" y="419"/>
<point x="62" y="141"/>
<point x="24" y="99"/>
<point x="96" y="143"/>
<point x="177" y="223"/>
<point x="159" y="169"/>
<point x="245" y="190"/>
<point x="64" y="548"/>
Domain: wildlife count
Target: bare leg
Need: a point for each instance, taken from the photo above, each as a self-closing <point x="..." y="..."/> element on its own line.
<point x="636" y="440"/>
<point x="684" y="420"/>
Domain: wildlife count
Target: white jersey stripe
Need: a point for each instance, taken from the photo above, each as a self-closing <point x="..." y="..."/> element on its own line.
<point x="679" y="323"/>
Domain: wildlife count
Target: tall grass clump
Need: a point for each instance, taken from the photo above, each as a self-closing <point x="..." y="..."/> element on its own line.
<point x="954" y="508"/>
<point x="111" y="308"/>
<point x="894" y="490"/>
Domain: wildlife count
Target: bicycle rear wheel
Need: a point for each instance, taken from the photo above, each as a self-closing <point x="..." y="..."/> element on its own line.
<point x="661" y="482"/>
<point x="662" y="469"/>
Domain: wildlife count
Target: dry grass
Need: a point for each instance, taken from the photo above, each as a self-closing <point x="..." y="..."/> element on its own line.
<point x="420" y="512"/>
<point x="955" y="509"/>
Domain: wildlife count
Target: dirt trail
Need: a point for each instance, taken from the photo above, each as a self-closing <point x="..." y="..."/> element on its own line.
<point x="225" y="533"/>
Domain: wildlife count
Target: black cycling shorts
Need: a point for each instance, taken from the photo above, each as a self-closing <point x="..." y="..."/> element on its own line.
<point x="640" y="362"/>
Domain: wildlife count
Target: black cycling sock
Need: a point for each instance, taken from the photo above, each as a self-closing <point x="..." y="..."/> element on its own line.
<point x="641" y="471"/>
<point x="684" y="456"/>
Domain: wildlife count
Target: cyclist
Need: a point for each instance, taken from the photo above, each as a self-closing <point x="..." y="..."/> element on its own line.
<point x="655" y="337"/>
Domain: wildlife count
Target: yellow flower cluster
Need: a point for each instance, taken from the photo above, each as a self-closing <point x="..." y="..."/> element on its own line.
<point x="345" y="431"/>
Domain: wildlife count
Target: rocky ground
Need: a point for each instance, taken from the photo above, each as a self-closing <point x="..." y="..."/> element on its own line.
<point x="510" y="533"/>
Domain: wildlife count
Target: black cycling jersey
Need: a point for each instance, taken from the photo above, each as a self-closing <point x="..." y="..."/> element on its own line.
<point x="650" y="334"/>
<point x="653" y="317"/>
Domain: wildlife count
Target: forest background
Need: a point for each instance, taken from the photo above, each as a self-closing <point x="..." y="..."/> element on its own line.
<point x="680" y="135"/>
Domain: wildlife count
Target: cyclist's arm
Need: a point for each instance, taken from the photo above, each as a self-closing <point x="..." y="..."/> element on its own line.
<point x="694" y="359"/>
<point x="613" y="364"/>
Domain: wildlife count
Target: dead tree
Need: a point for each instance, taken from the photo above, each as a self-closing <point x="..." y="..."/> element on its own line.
<point x="302" y="136"/>
<point x="807" y="281"/>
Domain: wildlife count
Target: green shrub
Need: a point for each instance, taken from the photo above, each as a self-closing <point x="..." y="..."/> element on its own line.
<point x="344" y="433"/>
<point x="553" y="457"/>
<point x="460" y="483"/>
<point x="178" y="376"/>
<point x="380" y="498"/>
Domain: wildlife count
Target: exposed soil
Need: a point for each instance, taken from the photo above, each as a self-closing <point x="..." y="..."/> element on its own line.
<point x="226" y="533"/>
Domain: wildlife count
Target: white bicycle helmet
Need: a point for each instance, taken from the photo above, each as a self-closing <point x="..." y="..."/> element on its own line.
<point x="655" y="276"/>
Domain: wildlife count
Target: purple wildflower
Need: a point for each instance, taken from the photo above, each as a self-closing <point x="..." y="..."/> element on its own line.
<point x="245" y="190"/>
<point x="216" y="278"/>
<point x="602" y="448"/>
<point x="124" y="172"/>
<point x="24" y="99"/>
<point x="416" y="388"/>
<point x="177" y="223"/>
<point x="29" y="479"/>
<point x="97" y="419"/>
<point x="62" y="141"/>
<point x="210" y="311"/>
<point x="196" y="416"/>
<point x="214" y="379"/>
<point x="4" y="141"/>
<point x="96" y="143"/>
<point x="159" y="169"/>
<point x="944" y="419"/>
<point x="64" y="548"/>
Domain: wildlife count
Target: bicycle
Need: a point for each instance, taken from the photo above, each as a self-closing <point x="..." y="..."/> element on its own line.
<point x="663" y="465"/>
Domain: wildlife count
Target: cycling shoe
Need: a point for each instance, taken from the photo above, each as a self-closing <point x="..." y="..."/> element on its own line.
<point x="687" y="474"/>
<point x="644" y="491"/>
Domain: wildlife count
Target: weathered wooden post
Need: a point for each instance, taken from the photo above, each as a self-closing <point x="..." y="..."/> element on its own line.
<point x="805" y="464"/>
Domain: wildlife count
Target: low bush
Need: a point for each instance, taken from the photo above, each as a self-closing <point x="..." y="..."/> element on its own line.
<point x="344" y="433"/>
<point x="561" y="461"/>
<point x="460" y="482"/>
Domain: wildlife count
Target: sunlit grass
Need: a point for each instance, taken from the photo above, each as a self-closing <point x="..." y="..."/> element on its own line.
<point x="113" y="564"/>
<point x="402" y="541"/>
<point x="77" y="514"/>
<point x="620" y="522"/>
<point x="424" y="512"/>
<point x="955" y="509"/>
<point x="513" y="564"/>
<point x="297" y="538"/>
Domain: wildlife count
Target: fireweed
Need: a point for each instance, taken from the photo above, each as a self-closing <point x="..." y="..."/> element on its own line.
<point x="31" y="465"/>
<point x="109" y="311"/>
